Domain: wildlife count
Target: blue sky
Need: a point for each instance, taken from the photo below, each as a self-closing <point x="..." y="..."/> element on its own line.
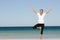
<point x="19" y="12"/>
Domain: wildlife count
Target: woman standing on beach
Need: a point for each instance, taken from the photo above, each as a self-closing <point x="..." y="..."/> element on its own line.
<point x="40" y="24"/>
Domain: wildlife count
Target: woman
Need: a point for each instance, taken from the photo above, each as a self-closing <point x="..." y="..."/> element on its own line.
<point x="40" y="24"/>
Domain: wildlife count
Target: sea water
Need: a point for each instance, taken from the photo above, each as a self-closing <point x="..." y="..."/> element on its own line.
<point x="21" y="32"/>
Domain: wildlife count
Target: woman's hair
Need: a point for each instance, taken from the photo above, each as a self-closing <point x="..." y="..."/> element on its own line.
<point x="41" y="9"/>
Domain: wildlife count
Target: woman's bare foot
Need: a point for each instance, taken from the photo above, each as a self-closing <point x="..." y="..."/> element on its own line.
<point x="39" y="28"/>
<point x="41" y="37"/>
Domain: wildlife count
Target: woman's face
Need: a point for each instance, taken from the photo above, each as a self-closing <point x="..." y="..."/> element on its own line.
<point x="41" y="11"/>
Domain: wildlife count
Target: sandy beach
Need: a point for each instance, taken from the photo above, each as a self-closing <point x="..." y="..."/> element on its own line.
<point x="31" y="39"/>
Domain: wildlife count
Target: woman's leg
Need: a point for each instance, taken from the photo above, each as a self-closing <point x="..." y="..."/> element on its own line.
<point x="35" y="27"/>
<point x="40" y="36"/>
<point x="41" y="32"/>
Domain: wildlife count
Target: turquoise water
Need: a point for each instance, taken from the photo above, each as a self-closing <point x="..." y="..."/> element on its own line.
<point x="29" y="32"/>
